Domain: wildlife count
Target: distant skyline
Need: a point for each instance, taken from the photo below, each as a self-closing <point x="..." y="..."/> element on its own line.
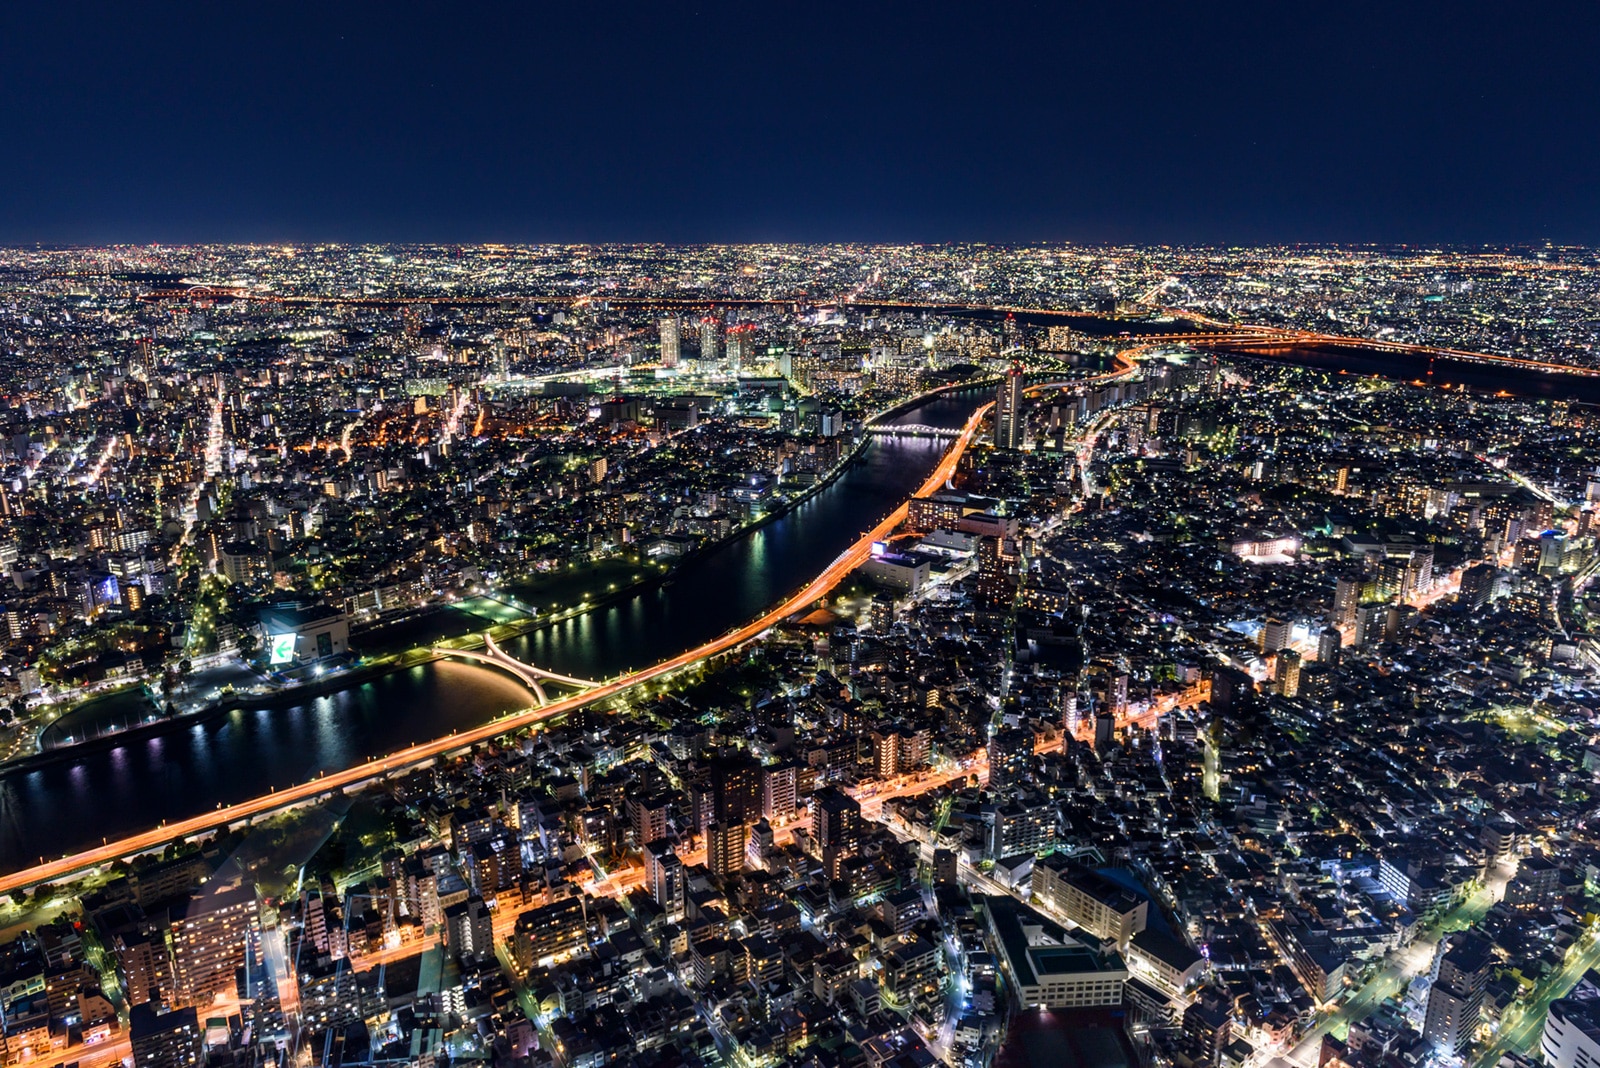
<point x="708" y="122"/>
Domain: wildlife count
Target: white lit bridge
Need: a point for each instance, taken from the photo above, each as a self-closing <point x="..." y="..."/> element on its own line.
<point x="530" y="676"/>
<point x="914" y="430"/>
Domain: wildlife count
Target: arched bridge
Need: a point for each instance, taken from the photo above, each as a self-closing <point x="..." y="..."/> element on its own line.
<point x="914" y="430"/>
<point x="530" y="676"/>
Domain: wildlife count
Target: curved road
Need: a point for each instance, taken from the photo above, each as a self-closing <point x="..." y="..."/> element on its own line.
<point x="818" y="587"/>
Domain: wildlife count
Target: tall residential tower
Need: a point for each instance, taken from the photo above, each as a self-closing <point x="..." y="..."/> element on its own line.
<point x="1009" y="424"/>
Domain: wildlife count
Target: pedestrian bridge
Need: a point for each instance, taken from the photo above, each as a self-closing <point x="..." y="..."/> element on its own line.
<point x="530" y="676"/>
<point x="914" y="430"/>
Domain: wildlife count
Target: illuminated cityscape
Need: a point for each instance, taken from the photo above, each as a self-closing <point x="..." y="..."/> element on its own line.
<point x="862" y="654"/>
<point x="800" y="536"/>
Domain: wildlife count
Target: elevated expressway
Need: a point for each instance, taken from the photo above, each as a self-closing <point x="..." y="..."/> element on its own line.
<point x="1210" y="332"/>
<point x="352" y="778"/>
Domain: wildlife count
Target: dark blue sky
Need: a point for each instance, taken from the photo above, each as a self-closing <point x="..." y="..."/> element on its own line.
<point x="1193" y="122"/>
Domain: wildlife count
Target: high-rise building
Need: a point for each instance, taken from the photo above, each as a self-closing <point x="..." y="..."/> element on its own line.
<point x="996" y="586"/>
<point x="836" y="826"/>
<point x="648" y="816"/>
<point x="210" y="933"/>
<point x="726" y="844"/>
<point x="1477" y="585"/>
<point x="469" y="929"/>
<point x="664" y="875"/>
<point x="144" y="968"/>
<point x="710" y="338"/>
<point x="741" y="345"/>
<point x="779" y="789"/>
<point x="1369" y="625"/>
<point x="170" y="1040"/>
<point x="549" y="932"/>
<point x="1455" y="1000"/>
<point x="1010" y="753"/>
<point x="882" y="612"/>
<point x="1346" y="598"/>
<point x="1419" y="571"/>
<point x="1328" y="644"/>
<point x="1286" y="673"/>
<point x="669" y="341"/>
<point x="1009" y="424"/>
<point x="735" y="789"/>
<point x="1275" y="635"/>
<point x="1019" y="826"/>
<point x="885" y="753"/>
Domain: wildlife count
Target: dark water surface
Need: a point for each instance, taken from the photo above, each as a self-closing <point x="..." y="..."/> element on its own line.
<point x="112" y="792"/>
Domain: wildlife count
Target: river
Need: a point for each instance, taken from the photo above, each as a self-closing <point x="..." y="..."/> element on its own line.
<point x="131" y="787"/>
<point x="112" y="792"/>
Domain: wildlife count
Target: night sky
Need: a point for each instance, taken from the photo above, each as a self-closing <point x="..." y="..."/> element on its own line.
<point x="1186" y="123"/>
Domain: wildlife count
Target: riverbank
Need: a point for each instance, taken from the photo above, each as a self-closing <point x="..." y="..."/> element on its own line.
<point x="375" y="668"/>
<point x="357" y="774"/>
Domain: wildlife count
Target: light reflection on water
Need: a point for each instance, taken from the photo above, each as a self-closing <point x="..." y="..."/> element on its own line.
<point x="136" y="785"/>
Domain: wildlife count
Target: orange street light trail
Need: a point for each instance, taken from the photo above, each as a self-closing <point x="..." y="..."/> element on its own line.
<point x="227" y="815"/>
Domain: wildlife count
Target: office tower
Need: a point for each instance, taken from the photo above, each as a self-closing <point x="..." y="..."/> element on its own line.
<point x="1286" y="674"/>
<point x="669" y="341"/>
<point x="172" y="1040"/>
<point x="1456" y="998"/>
<point x="710" y="341"/>
<point x="210" y="932"/>
<point x="1010" y="752"/>
<point x="836" y="826"/>
<point x="1009" y="425"/>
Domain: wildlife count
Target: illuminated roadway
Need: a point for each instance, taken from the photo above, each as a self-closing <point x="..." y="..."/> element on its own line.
<point x="360" y="774"/>
<point x="1221" y="333"/>
<point x="818" y="587"/>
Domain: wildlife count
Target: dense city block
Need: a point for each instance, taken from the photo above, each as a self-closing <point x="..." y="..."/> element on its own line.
<point x="1158" y="690"/>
